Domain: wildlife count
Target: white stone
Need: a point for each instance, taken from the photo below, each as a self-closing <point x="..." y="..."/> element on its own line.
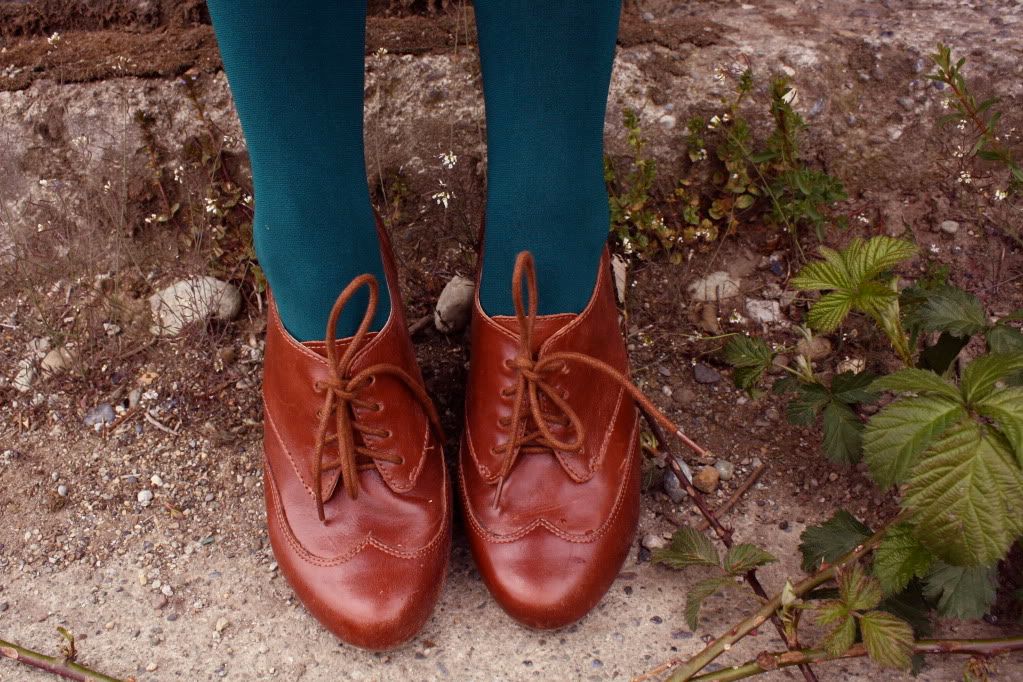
<point x="56" y="361"/>
<point x="454" y="304"/>
<point x="763" y="311"/>
<point x="715" y="286"/>
<point x="193" y="300"/>
<point x="25" y="377"/>
<point x="620" y="269"/>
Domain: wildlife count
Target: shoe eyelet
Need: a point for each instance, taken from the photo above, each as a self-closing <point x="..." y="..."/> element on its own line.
<point x="378" y="407"/>
<point x="401" y="462"/>
<point x="508" y="363"/>
<point x="318" y="386"/>
<point x="388" y="434"/>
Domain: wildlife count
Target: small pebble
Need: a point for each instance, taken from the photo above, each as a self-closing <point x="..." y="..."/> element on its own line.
<point x="725" y="469"/>
<point x="151" y="667"/>
<point x="949" y="227"/>
<point x="222" y="624"/>
<point x="167" y="591"/>
<point x="705" y="374"/>
<point x="62" y="490"/>
<point x="653" y="541"/>
<point x="145" y="497"/>
<point x="706" y="480"/>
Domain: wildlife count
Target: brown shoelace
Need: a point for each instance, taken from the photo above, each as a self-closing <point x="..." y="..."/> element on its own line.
<point x="342" y="389"/>
<point x="532" y="382"/>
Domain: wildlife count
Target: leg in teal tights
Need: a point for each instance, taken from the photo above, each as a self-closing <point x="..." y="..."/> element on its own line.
<point x="546" y="72"/>
<point x="296" y="73"/>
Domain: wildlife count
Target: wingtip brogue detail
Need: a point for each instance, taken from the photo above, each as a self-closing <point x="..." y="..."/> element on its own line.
<point x="357" y="495"/>
<point x="549" y="464"/>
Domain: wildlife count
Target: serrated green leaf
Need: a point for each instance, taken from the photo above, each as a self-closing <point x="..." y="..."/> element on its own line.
<point x="1006" y="409"/>
<point x="751" y="357"/>
<point x="821" y="275"/>
<point x="850" y="387"/>
<point x="894" y="437"/>
<point x="829" y="311"/>
<point x="867" y="259"/>
<point x="1002" y="338"/>
<point x="950" y="309"/>
<point x="831" y="540"/>
<point x="961" y="591"/>
<point x="698" y="593"/>
<point x="857" y="590"/>
<point x="809" y="400"/>
<point x="688" y="547"/>
<point x="911" y="380"/>
<point x="980" y="376"/>
<point x="843" y="434"/>
<point x="842" y="635"/>
<point x="899" y="558"/>
<point x="966" y="496"/>
<point x="745" y="557"/>
<point x="888" y="639"/>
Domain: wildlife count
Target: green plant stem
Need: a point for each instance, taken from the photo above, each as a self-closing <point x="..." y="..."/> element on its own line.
<point x="724" y="534"/>
<point x="767" y="662"/>
<point x="55" y="665"/>
<point x="723" y="643"/>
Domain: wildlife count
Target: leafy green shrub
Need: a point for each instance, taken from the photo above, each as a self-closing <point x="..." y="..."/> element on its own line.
<point x="953" y="444"/>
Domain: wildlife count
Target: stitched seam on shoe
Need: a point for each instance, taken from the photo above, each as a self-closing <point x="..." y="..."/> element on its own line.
<point x="594" y="463"/>
<point x="316" y="560"/>
<point x="586" y="538"/>
<point x="287" y="451"/>
<point x="483" y="468"/>
<point x="307" y="349"/>
<point x="392" y="481"/>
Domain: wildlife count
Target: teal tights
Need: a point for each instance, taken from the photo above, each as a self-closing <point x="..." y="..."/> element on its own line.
<point x="296" y="73"/>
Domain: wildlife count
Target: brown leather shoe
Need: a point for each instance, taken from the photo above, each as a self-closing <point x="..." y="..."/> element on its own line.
<point x="357" y="496"/>
<point x="550" y="462"/>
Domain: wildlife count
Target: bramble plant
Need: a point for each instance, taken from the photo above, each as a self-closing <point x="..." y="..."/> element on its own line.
<point x="981" y="117"/>
<point x="731" y="179"/>
<point x="952" y="443"/>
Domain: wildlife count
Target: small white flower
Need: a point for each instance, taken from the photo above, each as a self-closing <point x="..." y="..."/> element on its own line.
<point x="53" y="39"/>
<point x="448" y="159"/>
<point x="211" y="205"/>
<point x="701" y="155"/>
<point x="715" y="121"/>
<point x="443" y="197"/>
<point x="1001" y="195"/>
<point x="107" y="186"/>
<point x="790" y="97"/>
<point x="965" y="178"/>
<point x="381" y="51"/>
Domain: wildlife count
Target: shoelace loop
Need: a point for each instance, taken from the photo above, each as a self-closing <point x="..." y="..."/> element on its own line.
<point x="530" y="383"/>
<point x="343" y="389"/>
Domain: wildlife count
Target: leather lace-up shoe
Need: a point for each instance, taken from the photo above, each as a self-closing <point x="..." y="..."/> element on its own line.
<point x="550" y="462"/>
<point x="357" y="496"/>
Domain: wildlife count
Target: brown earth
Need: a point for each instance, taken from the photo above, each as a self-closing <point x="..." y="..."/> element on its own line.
<point x="96" y="560"/>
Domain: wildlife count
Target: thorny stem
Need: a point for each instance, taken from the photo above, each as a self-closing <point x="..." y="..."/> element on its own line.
<point x="725" y="534"/>
<point x="723" y="643"/>
<point x="55" y="665"/>
<point x="767" y="662"/>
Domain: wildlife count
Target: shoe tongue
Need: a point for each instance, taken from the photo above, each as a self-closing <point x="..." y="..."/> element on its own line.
<point x="545" y="327"/>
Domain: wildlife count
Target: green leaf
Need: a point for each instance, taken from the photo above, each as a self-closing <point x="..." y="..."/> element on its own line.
<point x="842" y="636"/>
<point x="850" y="387"/>
<point x="980" y="376"/>
<point x="832" y="540"/>
<point x="699" y="592"/>
<point x="1006" y="408"/>
<point x="889" y="639"/>
<point x="822" y="275"/>
<point x="857" y="590"/>
<point x="867" y="259"/>
<point x="744" y="201"/>
<point x="1002" y="338"/>
<point x="950" y="309"/>
<point x="745" y="557"/>
<point x="828" y="312"/>
<point x="920" y="381"/>
<point x="843" y="434"/>
<point x="688" y="547"/>
<point x="895" y="436"/>
<point x="899" y="558"/>
<point x="809" y="400"/>
<point x="966" y="496"/>
<point x="751" y="358"/>
<point x="961" y="591"/>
